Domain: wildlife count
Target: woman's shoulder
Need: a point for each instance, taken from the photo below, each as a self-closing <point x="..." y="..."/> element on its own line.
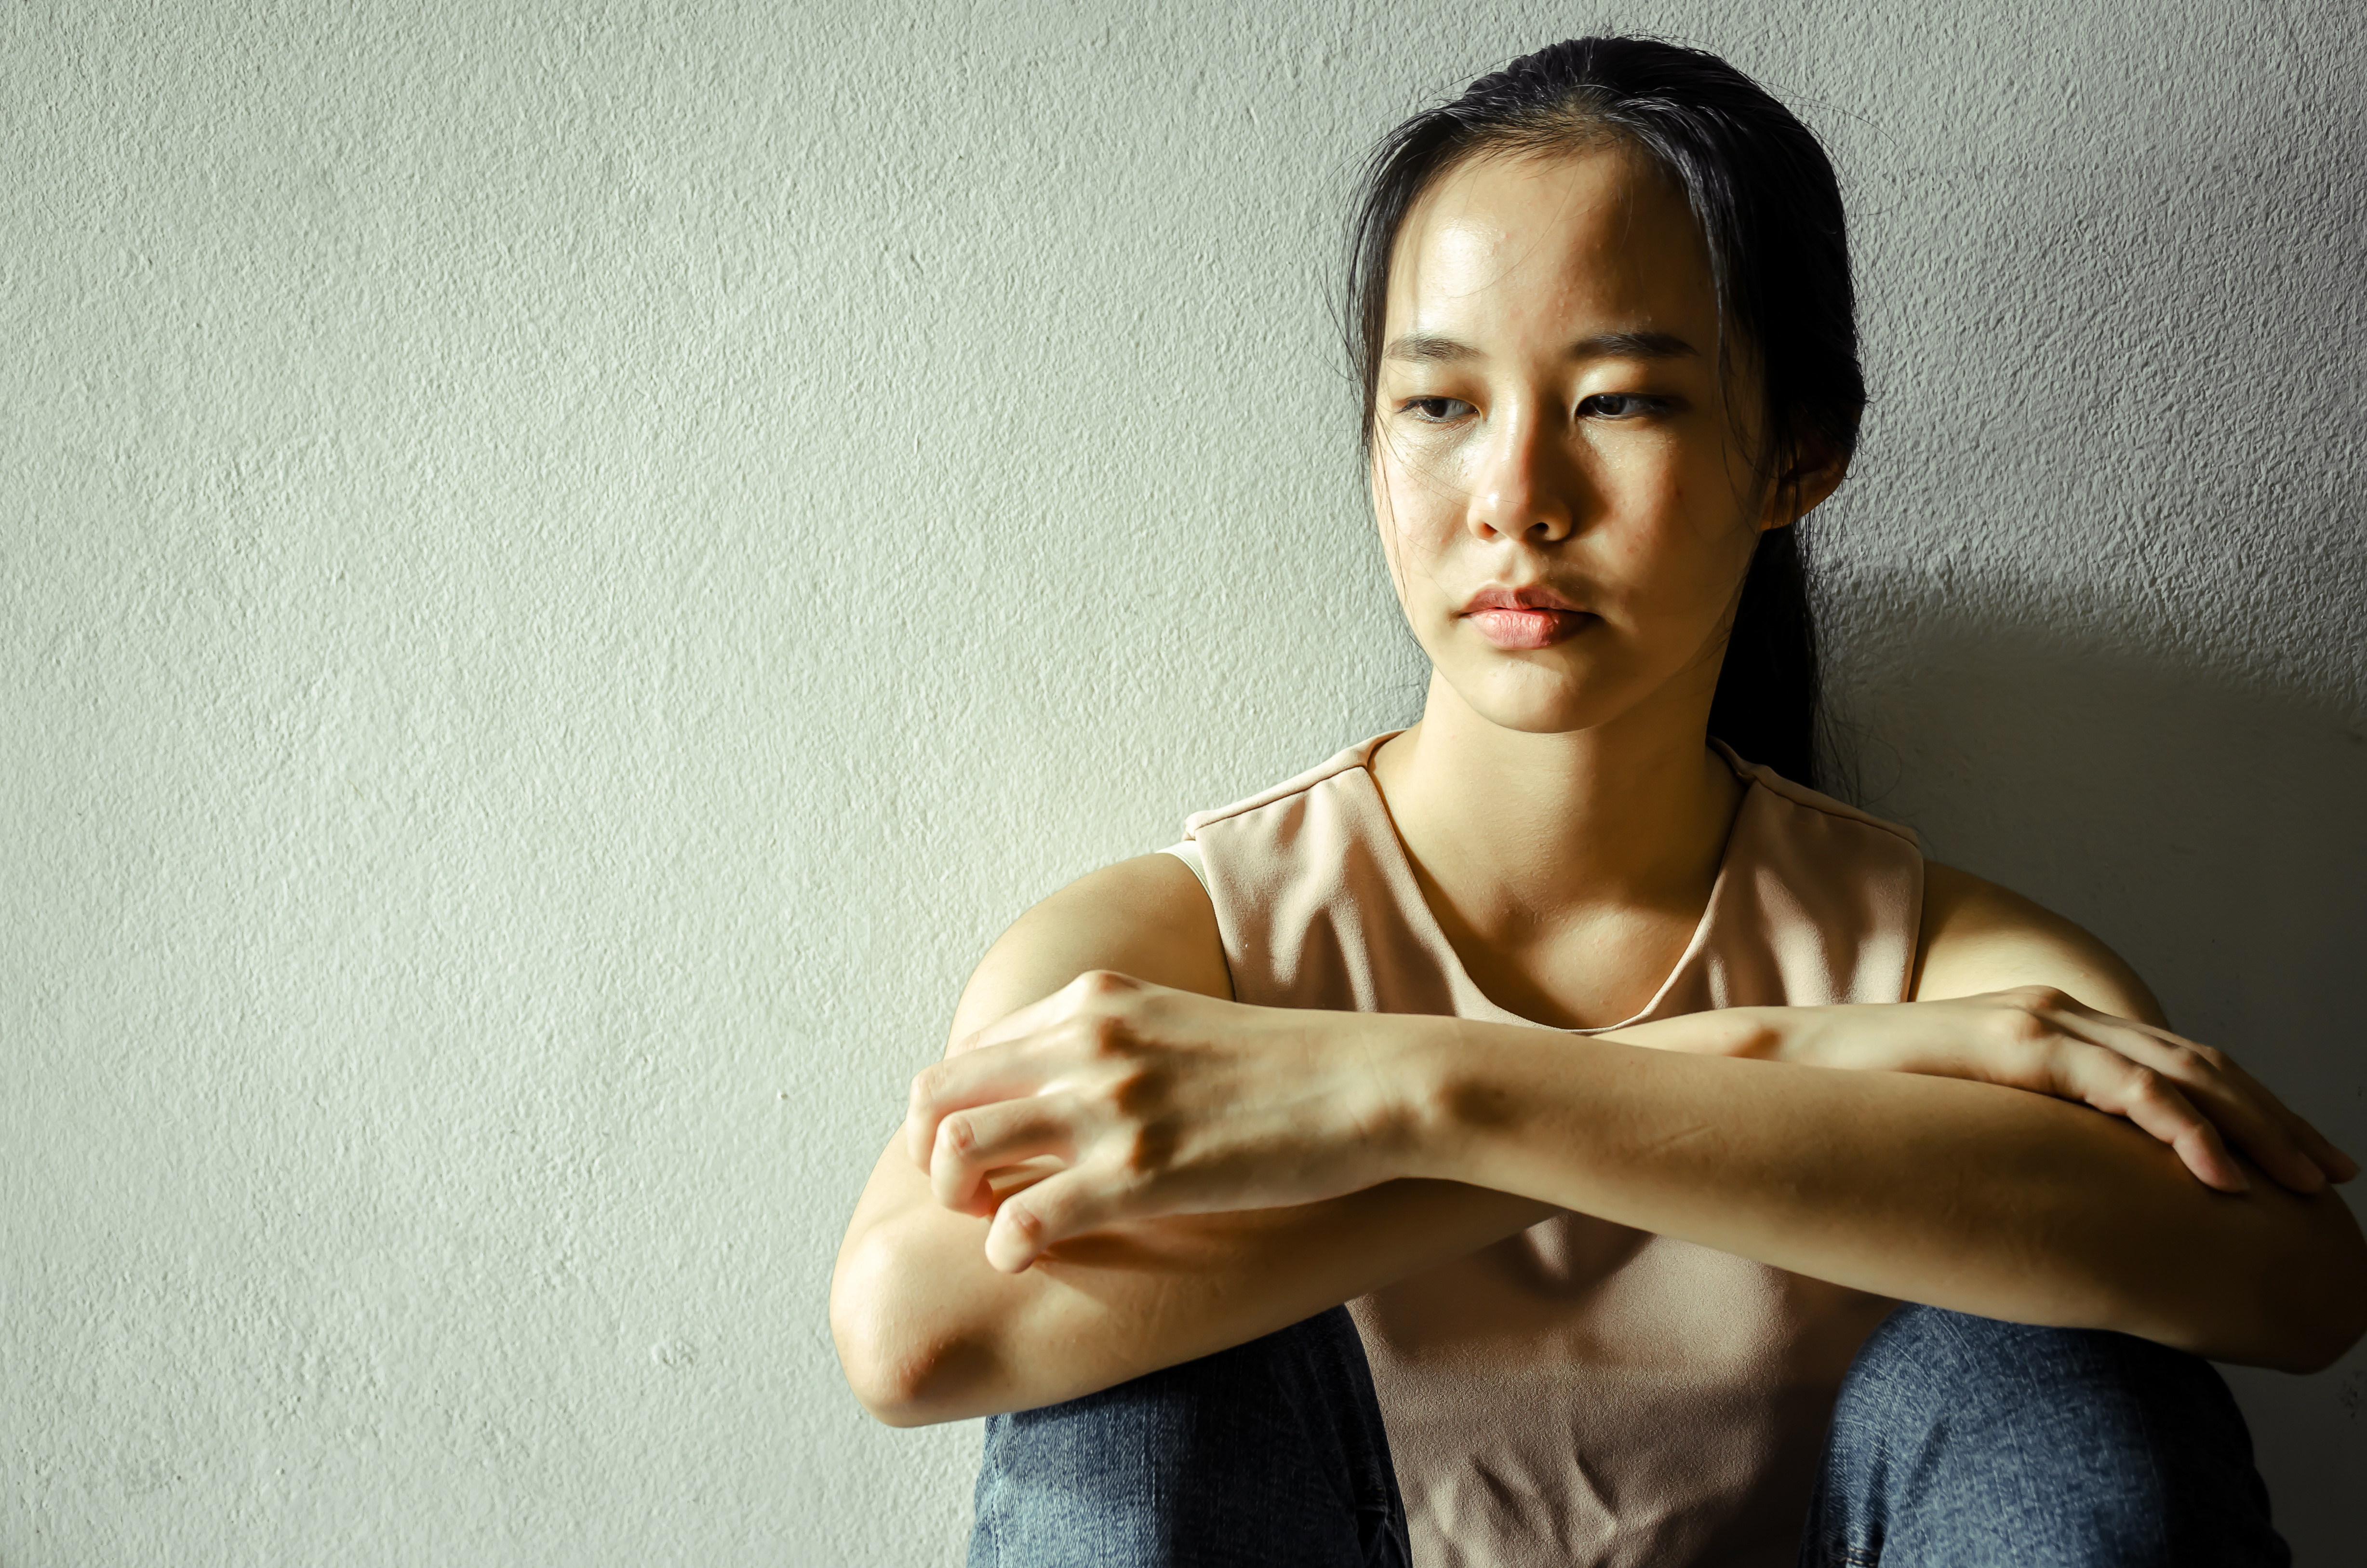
<point x="1148" y="917"/>
<point x="1978" y="936"/>
<point x="1971" y="936"/>
<point x="1291" y="794"/>
<point x="1799" y="862"/>
<point x="1803" y="804"/>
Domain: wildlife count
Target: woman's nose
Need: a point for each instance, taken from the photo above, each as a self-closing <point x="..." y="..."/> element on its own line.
<point x="1520" y="487"/>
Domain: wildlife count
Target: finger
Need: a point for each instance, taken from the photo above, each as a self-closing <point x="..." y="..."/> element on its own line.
<point x="2144" y="1097"/>
<point x="2250" y="1120"/>
<point x="971" y="1145"/>
<point x="1002" y="1182"/>
<point x="2238" y="1107"/>
<point x="2338" y="1165"/>
<point x="2329" y="1162"/>
<point x="2239" y="1110"/>
<point x="1079" y="994"/>
<point x="979" y="1077"/>
<point x="1017" y="1024"/>
<point x="1053" y="1210"/>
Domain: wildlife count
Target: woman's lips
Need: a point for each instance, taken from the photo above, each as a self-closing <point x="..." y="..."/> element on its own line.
<point x="1528" y="626"/>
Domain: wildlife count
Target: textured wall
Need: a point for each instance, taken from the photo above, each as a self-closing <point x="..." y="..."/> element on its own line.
<point x="561" y="572"/>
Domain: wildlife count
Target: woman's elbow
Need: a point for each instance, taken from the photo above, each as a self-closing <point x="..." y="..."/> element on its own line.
<point x="2297" y="1307"/>
<point x="899" y="1370"/>
<point x="891" y="1387"/>
<point x="2323" y="1298"/>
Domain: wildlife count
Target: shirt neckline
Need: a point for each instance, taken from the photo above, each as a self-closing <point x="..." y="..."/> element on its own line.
<point x="1433" y="936"/>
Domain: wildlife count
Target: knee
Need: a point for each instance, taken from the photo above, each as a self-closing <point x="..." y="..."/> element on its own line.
<point x="1309" y="1374"/>
<point x="2102" y="1447"/>
<point x="1925" y="1367"/>
<point x="1277" y="1440"/>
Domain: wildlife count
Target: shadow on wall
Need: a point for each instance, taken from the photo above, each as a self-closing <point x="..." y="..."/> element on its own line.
<point x="2101" y="572"/>
<point x="2215" y="836"/>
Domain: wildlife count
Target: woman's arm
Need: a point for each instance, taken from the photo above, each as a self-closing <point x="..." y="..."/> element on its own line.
<point x="2094" y="1034"/>
<point x="928" y="1331"/>
<point x="1962" y="1194"/>
<point x="1958" y="1194"/>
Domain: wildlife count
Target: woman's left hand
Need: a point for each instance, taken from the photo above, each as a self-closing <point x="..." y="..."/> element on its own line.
<point x="2189" y="1095"/>
<point x="1114" y="1100"/>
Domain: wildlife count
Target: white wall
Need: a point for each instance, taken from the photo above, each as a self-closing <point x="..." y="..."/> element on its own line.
<point x="562" y="573"/>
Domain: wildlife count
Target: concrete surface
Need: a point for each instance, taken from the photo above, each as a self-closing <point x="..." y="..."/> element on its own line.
<point x="564" y="569"/>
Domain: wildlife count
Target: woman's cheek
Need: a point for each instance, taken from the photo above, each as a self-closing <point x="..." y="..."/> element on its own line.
<point x="1416" y="544"/>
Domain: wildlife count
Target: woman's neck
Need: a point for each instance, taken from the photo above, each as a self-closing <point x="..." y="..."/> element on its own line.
<point x="1519" y="831"/>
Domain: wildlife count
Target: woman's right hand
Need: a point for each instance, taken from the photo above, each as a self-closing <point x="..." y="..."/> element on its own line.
<point x="2192" y="1096"/>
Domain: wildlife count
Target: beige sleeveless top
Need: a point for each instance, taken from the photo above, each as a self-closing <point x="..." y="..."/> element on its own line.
<point x="1583" y="1394"/>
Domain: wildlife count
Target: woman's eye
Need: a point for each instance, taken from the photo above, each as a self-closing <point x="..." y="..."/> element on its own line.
<point x="1434" y="410"/>
<point x="1618" y="406"/>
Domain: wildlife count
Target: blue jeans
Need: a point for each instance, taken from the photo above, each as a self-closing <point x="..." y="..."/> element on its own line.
<point x="1956" y="1441"/>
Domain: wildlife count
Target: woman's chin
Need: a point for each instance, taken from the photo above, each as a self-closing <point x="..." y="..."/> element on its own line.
<point x="1534" y="702"/>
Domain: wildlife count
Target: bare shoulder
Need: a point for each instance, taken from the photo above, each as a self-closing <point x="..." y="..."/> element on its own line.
<point x="1978" y="936"/>
<point x="1148" y="917"/>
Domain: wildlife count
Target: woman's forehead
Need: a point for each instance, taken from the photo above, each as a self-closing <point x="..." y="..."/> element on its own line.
<point x="1549" y="242"/>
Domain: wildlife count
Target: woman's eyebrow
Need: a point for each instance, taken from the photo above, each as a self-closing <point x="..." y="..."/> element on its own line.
<point x="1419" y="348"/>
<point x="1632" y="346"/>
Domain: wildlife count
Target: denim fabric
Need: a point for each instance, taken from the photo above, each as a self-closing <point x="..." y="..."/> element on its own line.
<point x="1970" y="1443"/>
<point x="1956" y="1441"/>
<point x="1269" y="1452"/>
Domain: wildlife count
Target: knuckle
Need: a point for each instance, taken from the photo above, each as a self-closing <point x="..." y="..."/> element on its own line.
<point x="1150" y="1151"/>
<point x="1137" y="1093"/>
<point x="1104" y="1034"/>
<point x="1023" y="1218"/>
<point x="2023" y="1024"/>
<point x="957" y="1137"/>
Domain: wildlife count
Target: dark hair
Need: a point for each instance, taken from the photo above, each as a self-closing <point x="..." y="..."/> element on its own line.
<point x="1770" y="213"/>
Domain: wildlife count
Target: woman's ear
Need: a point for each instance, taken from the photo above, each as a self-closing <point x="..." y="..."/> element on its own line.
<point x="1815" y="471"/>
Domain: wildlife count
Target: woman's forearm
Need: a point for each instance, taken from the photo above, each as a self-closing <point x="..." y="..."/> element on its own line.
<point x="928" y="1332"/>
<point x="1966" y="1195"/>
<point x="1960" y="1195"/>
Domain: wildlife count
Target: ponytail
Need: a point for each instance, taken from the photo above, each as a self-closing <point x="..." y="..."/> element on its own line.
<point x="1768" y="700"/>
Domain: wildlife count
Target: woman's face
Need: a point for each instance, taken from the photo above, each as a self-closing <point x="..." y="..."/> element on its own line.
<point x="1566" y="508"/>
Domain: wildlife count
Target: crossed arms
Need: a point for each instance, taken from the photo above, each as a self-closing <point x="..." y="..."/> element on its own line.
<point x="1118" y="1168"/>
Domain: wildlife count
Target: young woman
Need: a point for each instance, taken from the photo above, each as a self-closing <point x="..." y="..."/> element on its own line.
<point x="1695" y="1162"/>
